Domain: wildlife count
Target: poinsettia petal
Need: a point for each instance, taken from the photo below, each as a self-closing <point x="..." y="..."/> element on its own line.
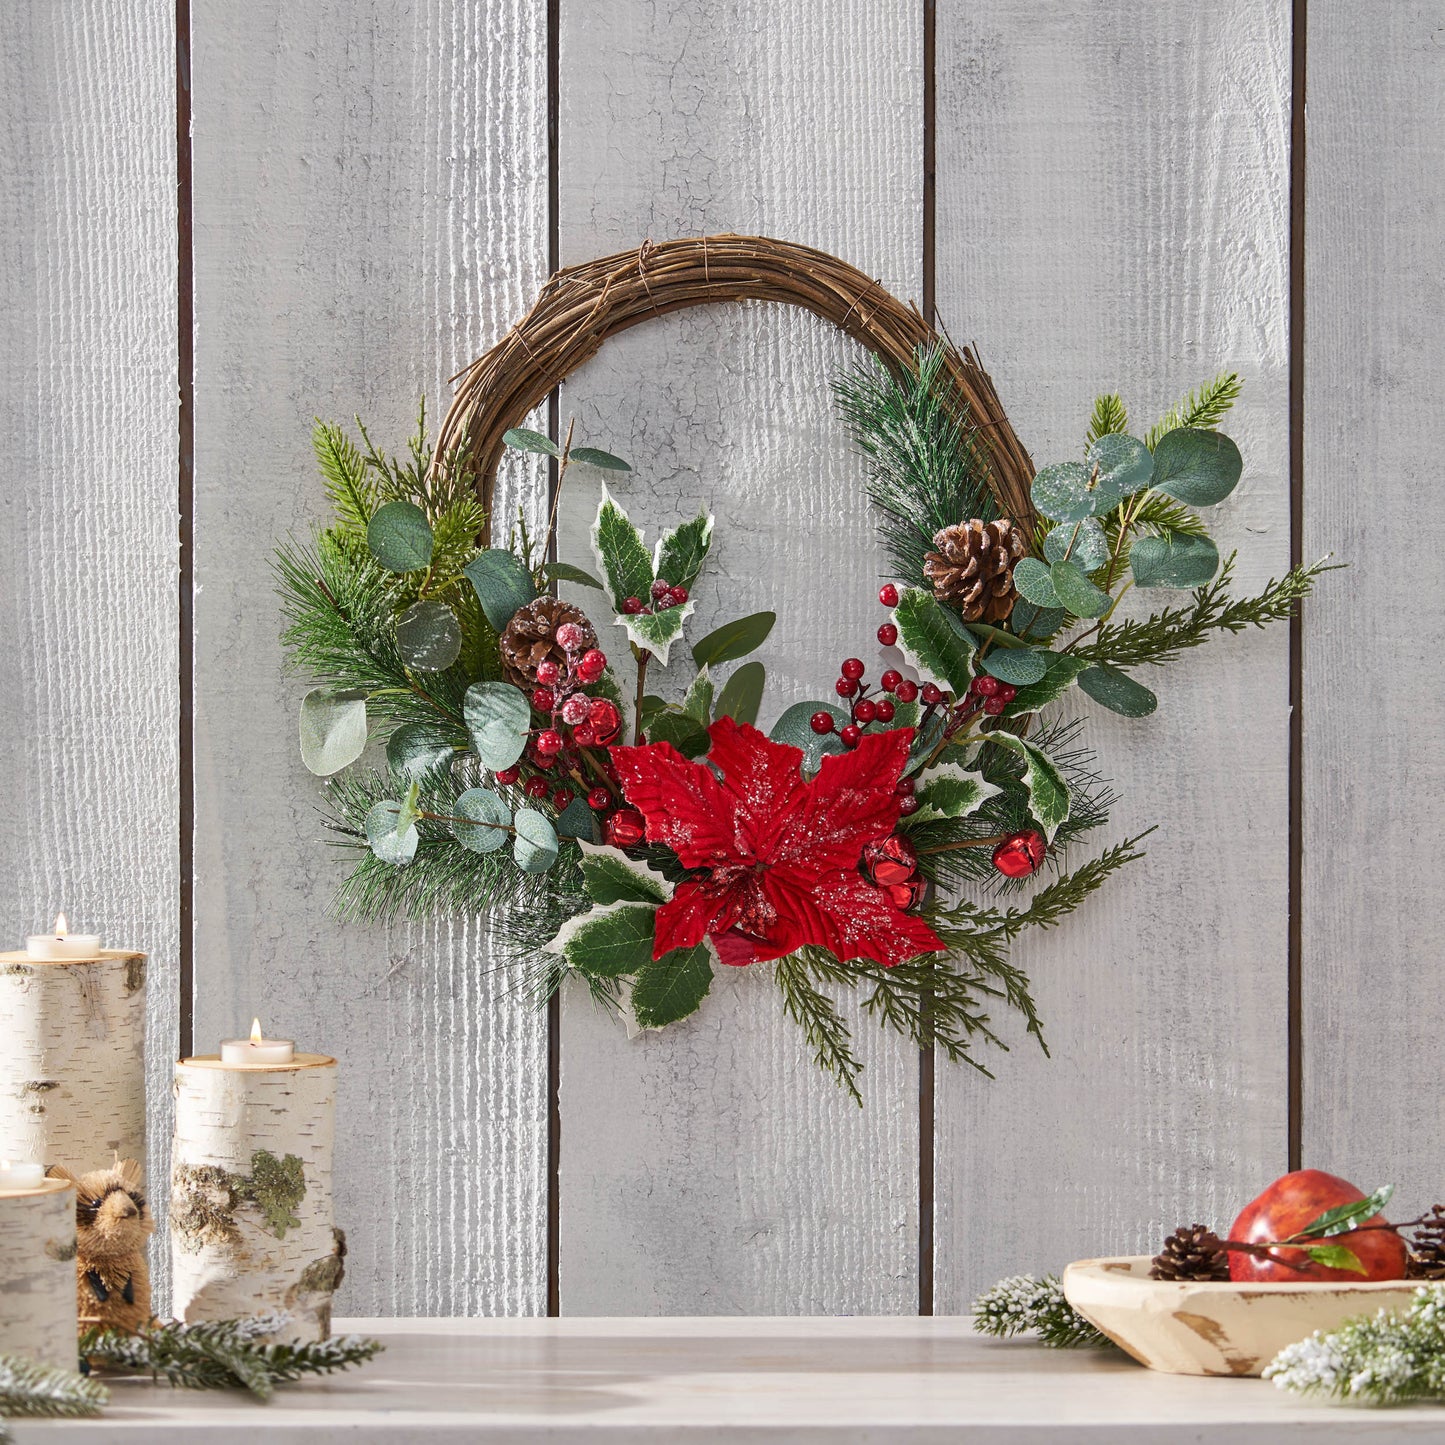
<point x="850" y="803"/>
<point x="735" y="949"/>
<point x="764" y="779"/>
<point x="681" y="802"/>
<point x="693" y="912"/>
<point x="844" y="913"/>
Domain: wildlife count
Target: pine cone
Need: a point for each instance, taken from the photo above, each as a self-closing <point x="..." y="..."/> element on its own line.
<point x="974" y="568"/>
<point x="1427" y="1247"/>
<point x="531" y="637"/>
<point x="1191" y="1252"/>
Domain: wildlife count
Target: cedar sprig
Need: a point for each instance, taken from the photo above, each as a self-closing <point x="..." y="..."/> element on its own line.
<point x="223" y="1354"/>
<point x="28" y="1389"/>
<point x="817" y="1015"/>
<point x="1022" y="1304"/>
<point x="1203" y="409"/>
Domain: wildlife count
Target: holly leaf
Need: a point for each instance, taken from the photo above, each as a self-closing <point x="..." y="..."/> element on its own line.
<point x="565" y="572"/>
<point x="680" y="553"/>
<point x="1082" y="543"/>
<point x="1076" y="592"/>
<point x="488" y="821"/>
<point x="932" y="642"/>
<point x="1048" y="793"/>
<point x="333" y="729"/>
<point x="795" y="729"/>
<point x="1336" y="1256"/>
<point x="524" y="439"/>
<point x="671" y="987"/>
<point x="610" y="876"/>
<point x="609" y="941"/>
<point x="1117" y="691"/>
<point x="400" y="537"/>
<point x="498" y="716"/>
<point x="949" y="792"/>
<point x="1019" y="667"/>
<point x="1177" y="560"/>
<point x="534" y="844"/>
<point x="742" y="693"/>
<point x="1345" y="1217"/>
<point x="733" y="639"/>
<point x="698" y="702"/>
<point x="416" y="749"/>
<point x="428" y="636"/>
<point x="1196" y="467"/>
<point x="387" y="839"/>
<point x="592" y="457"/>
<point x="685" y="733"/>
<point x="656" y="631"/>
<point x="503" y="584"/>
<point x="621" y="556"/>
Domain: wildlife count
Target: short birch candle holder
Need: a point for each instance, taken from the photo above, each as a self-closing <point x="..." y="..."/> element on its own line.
<point x="37" y="1273"/>
<point x="251" y="1222"/>
<point x="72" y="1072"/>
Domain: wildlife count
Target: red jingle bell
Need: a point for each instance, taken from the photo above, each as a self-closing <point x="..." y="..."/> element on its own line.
<point x="890" y="861"/>
<point x="1020" y="854"/>
<point x="625" y="828"/>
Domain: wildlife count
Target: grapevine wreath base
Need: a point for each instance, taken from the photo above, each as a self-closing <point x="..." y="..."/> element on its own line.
<point x="893" y="837"/>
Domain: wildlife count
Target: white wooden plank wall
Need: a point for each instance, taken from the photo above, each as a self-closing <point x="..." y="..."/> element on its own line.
<point x="1374" y="688"/>
<point x="711" y="1168"/>
<point x="370" y="213"/>
<point x="89" y="670"/>
<point x="1113" y="212"/>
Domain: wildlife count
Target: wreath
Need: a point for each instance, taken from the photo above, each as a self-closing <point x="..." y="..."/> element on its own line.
<point x="596" y="778"/>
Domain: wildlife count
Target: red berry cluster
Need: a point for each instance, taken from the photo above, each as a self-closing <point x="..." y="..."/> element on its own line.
<point x="664" y="595"/>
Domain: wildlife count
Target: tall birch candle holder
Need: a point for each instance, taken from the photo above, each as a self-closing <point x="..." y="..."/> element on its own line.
<point x="251" y="1222"/>
<point x="37" y="1273"/>
<point x="72" y="1065"/>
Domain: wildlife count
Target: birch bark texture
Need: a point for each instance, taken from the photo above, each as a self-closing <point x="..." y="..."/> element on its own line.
<point x="251" y="1222"/>
<point x="37" y="1273"/>
<point x="72" y="1072"/>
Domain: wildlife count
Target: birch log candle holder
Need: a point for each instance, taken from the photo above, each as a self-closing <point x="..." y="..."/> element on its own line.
<point x="72" y="1071"/>
<point x="251" y="1222"/>
<point x="37" y="1272"/>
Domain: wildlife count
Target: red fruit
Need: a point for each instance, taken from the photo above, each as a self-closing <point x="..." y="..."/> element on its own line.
<point x="851" y="735"/>
<point x="906" y="787"/>
<point x="538" y="787"/>
<point x="822" y="723"/>
<point x="660" y="589"/>
<point x="584" y="735"/>
<point x="625" y="828"/>
<point x="632" y="606"/>
<point x="1019" y="854"/>
<point x="1006" y="693"/>
<point x="562" y="798"/>
<point x="865" y="711"/>
<point x="548" y="672"/>
<point x="883" y="710"/>
<point x="984" y="685"/>
<point x="888" y="595"/>
<point x="545" y="761"/>
<point x="604" y="719"/>
<point x="544" y="699"/>
<point x="1288" y="1206"/>
<point x="598" y="798"/>
<point x="846" y="686"/>
<point x="890" y="680"/>
<point x="677" y="596"/>
<point x="993" y="706"/>
<point x="906" y="691"/>
<point x="549" y="742"/>
<point x="907" y="805"/>
<point x="932" y="693"/>
<point x="888" y="634"/>
<point x="569" y="636"/>
<point x="507" y="776"/>
<point x="852" y="667"/>
<point x="591" y="665"/>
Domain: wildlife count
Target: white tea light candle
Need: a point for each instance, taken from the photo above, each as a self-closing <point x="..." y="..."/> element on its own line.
<point x="20" y="1175"/>
<point x="256" y="1051"/>
<point x="61" y="943"/>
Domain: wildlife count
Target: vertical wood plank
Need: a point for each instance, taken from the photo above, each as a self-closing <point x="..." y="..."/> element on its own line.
<point x="710" y="1168"/>
<point x="89" y="680"/>
<point x="1113" y="213"/>
<point x="1374" y="762"/>
<point x="370" y="201"/>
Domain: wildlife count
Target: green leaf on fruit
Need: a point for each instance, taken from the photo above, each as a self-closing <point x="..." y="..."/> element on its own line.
<point x="593" y="457"/>
<point x="733" y="639"/>
<point x="566" y="572"/>
<point x="388" y="840"/>
<point x="742" y="693"/>
<point x="1035" y="583"/>
<point x="333" y="729"/>
<point x="1337" y="1256"/>
<point x="795" y="729"/>
<point x="680" y="553"/>
<point x="1117" y="691"/>
<point x="1082" y="543"/>
<point x="671" y="987"/>
<point x="524" y="439"/>
<point x="1018" y="668"/>
<point x="534" y="844"/>
<point x="697" y="704"/>
<point x="400" y="537"/>
<point x="416" y="749"/>
<point x="1198" y="468"/>
<point x="610" y="876"/>
<point x="428" y="636"/>
<point x="623" y="560"/>
<point x="488" y="819"/>
<point x="1048" y="793"/>
<point x="949" y="792"/>
<point x="1077" y="593"/>
<point x="933" y="642"/>
<point x="1345" y="1217"/>
<point x="655" y="631"/>
<point x="503" y="584"/>
<point x="498" y="717"/>
<point x="609" y="941"/>
<point x="1175" y="561"/>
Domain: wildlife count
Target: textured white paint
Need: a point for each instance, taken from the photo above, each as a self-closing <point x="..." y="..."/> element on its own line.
<point x="712" y="1168"/>
<point x="88" y="634"/>
<point x="1112" y="213"/>
<point x="1374" y="688"/>
<point x="370" y="209"/>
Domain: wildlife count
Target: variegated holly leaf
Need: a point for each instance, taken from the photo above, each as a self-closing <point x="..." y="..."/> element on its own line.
<point x="949" y="792"/>
<point x="656" y="631"/>
<point x="610" y="876"/>
<point x="609" y="941"/>
<point x="622" y="558"/>
<point x="671" y="987"/>
<point x="933" y="643"/>
<point x="680" y="553"/>
<point x="1048" y="793"/>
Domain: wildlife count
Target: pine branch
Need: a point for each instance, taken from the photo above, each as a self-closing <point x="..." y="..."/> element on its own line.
<point x="31" y="1390"/>
<point x="1109" y="417"/>
<point x="352" y="492"/>
<point x="1389" y="1358"/>
<point x="822" y="1024"/>
<point x="1022" y="1304"/>
<point x="223" y="1354"/>
<point x="1204" y="408"/>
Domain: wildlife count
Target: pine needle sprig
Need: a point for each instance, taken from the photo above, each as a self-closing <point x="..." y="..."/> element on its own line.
<point x="28" y="1389"/>
<point x="1203" y="409"/>
<point x="1022" y="1304"/>
<point x="223" y="1354"/>
<point x="352" y="489"/>
<point x="1109" y="417"/>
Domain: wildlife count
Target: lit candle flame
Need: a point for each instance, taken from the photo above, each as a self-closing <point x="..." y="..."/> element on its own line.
<point x="256" y="1034"/>
<point x="62" y="925"/>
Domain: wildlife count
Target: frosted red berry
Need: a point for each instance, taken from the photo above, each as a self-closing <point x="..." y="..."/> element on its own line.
<point x="575" y="709"/>
<point x="906" y="787"/>
<point x="932" y="693"/>
<point x="1020" y="854"/>
<point x="906" y="691"/>
<point x="890" y="680"/>
<point x="883" y="710"/>
<point x="544" y="699"/>
<point x="549" y="742"/>
<point x="598" y="798"/>
<point x="907" y="804"/>
<point x="660" y="589"/>
<point x="888" y="595"/>
<point x="852" y="668"/>
<point x="822" y="723"/>
<point x="846" y="686"/>
<point x="625" y="828"/>
<point x="1006" y="693"/>
<point x="632" y="606"/>
<point x="548" y="672"/>
<point x="562" y="799"/>
<point x="888" y="634"/>
<point x="507" y="776"/>
<point x="865" y="711"/>
<point x="851" y="735"/>
<point x="538" y="787"/>
<point x="570" y="637"/>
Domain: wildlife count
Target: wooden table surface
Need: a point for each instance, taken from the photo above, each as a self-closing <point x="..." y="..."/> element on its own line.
<point x="734" y="1379"/>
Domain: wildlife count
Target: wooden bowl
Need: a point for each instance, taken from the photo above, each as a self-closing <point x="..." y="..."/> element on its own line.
<point x="1189" y="1328"/>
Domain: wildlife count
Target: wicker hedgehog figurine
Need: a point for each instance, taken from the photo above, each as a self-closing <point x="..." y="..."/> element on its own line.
<point x="112" y="1224"/>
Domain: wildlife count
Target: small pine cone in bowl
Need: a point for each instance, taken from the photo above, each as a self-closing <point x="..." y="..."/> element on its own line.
<point x="530" y="638"/>
<point x="1191" y="1252"/>
<point x="973" y="568"/>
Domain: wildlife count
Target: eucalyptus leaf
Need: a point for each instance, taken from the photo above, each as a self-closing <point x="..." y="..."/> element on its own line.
<point x="1175" y="561"/>
<point x="610" y="941"/>
<point x="1048" y="793"/>
<point x="526" y="440"/>
<point x="1082" y="543"/>
<point x="428" y="636"/>
<point x="565" y="572"/>
<point x="671" y="987"/>
<point x="680" y="553"/>
<point x="625" y="563"/>
<point x="389" y="843"/>
<point x="416" y="749"/>
<point x="1114" y="467"/>
<point x="534" y="845"/>
<point x="489" y="821"/>
<point x="1035" y="623"/>
<point x="1063" y="668"/>
<point x="1117" y="691"/>
<point x="1035" y="583"/>
<point x="1077" y="593"/>
<point x="1019" y="668"/>
<point x="592" y="457"/>
<point x="333" y="729"/>
<point x="400" y="537"/>
<point x="733" y="639"/>
<point x="1062" y="492"/>
<point x="742" y="693"/>
<point x="1125" y="465"/>
<point x="503" y="584"/>
<point x="795" y="729"/>
<point x="577" y="820"/>
<point x="498" y="717"/>
<point x="1198" y="468"/>
<point x="933" y="642"/>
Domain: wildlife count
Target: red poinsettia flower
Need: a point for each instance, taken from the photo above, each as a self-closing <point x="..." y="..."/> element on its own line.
<point x="779" y="854"/>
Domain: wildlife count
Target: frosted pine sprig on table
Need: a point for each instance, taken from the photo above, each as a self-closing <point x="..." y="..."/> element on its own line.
<point x="28" y="1389"/>
<point x="1023" y="1304"/>
<point x="1391" y="1358"/>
